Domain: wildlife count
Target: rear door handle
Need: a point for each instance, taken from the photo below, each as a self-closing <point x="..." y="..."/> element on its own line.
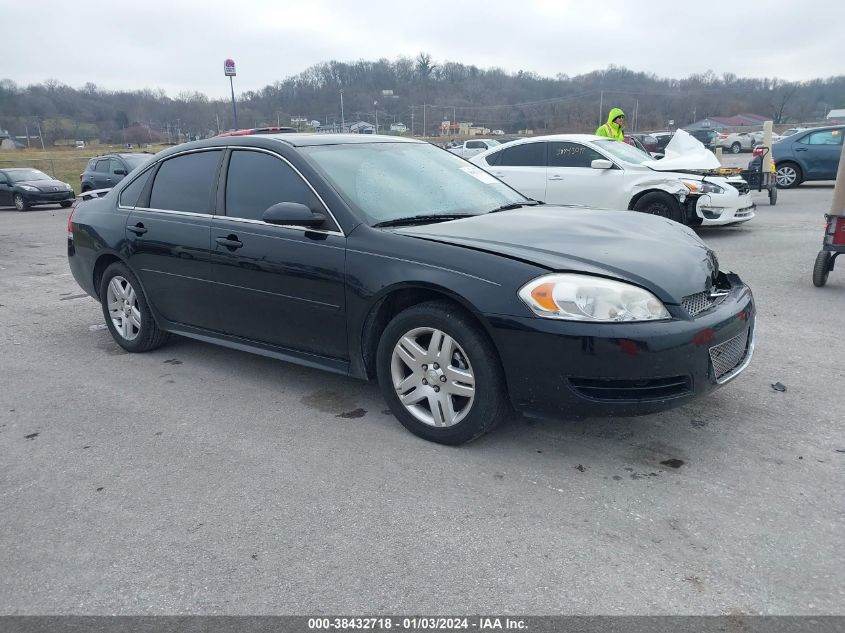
<point x="231" y="242"/>
<point x="555" y="177"/>
<point x="138" y="229"/>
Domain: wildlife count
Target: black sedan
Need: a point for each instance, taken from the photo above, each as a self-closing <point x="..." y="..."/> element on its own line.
<point x="25" y="188"/>
<point x="390" y="259"/>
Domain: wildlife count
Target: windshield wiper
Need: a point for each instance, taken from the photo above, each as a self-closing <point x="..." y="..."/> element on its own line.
<point x="423" y="219"/>
<point x="515" y="205"/>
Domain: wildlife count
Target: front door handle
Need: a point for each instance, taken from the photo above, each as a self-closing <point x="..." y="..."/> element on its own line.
<point x="555" y="177"/>
<point x="138" y="229"/>
<point x="231" y="242"/>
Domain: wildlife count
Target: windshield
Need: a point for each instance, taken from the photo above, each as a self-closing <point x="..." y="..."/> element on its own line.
<point x="134" y="161"/>
<point x="493" y="143"/>
<point x="25" y="175"/>
<point x="388" y="181"/>
<point x="625" y="152"/>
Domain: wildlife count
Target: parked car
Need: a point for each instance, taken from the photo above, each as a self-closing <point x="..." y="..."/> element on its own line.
<point x="792" y="130"/>
<point x="647" y="142"/>
<point x="104" y="172"/>
<point x="809" y="155"/>
<point x="735" y="142"/>
<point x="597" y="172"/>
<point x="707" y="137"/>
<point x="467" y="149"/>
<point x="662" y="139"/>
<point x="24" y="188"/>
<point x="390" y="259"/>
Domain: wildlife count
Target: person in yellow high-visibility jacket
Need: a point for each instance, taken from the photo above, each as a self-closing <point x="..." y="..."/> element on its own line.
<point x="615" y="126"/>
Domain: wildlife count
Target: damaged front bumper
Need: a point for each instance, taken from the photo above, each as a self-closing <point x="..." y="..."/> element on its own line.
<point x="721" y="209"/>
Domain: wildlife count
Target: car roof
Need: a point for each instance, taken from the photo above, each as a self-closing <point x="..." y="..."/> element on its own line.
<point x="309" y="140"/>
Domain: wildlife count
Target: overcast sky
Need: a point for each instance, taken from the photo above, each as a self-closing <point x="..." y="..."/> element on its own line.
<point x="180" y="45"/>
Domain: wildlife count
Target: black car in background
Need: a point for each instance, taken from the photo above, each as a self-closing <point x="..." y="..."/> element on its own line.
<point x="24" y="188"/>
<point x="390" y="259"/>
<point x="104" y="172"/>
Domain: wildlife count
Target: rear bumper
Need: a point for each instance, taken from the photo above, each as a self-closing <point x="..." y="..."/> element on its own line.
<point x="559" y="369"/>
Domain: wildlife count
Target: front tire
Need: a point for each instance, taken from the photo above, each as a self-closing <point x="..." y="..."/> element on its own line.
<point x="21" y="203"/>
<point x="127" y="314"/>
<point x="661" y="204"/>
<point x="736" y="148"/>
<point x="788" y="175"/>
<point x="821" y="269"/>
<point x="440" y="374"/>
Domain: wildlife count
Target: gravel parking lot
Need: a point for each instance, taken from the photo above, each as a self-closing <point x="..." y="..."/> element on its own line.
<point x="197" y="479"/>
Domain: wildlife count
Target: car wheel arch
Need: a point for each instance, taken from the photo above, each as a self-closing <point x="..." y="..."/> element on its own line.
<point x="654" y="189"/>
<point x="393" y="300"/>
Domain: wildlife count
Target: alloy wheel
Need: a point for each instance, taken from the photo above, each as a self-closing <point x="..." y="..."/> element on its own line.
<point x="20" y="203"/>
<point x="786" y="176"/>
<point x="433" y="377"/>
<point x="123" y="308"/>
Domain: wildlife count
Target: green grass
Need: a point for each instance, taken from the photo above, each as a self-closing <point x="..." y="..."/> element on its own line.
<point x="63" y="163"/>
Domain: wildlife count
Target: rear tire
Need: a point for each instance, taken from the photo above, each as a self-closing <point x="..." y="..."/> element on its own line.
<point x="773" y="196"/>
<point x="127" y="314"/>
<point x="788" y="175"/>
<point x="821" y="269"/>
<point x="661" y="204"/>
<point x="447" y="371"/>
<point x="21" y="203"/>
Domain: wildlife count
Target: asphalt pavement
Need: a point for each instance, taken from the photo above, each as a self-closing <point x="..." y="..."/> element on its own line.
<point x="197" y="479"/>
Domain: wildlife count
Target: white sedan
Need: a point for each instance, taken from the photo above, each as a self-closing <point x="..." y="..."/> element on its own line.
<point x="582" y="169"/>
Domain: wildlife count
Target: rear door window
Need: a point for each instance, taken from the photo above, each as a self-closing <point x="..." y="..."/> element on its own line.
<point x="102" y="166"/>
<point x="185" y="183"/>
<point x="524" y="155"/>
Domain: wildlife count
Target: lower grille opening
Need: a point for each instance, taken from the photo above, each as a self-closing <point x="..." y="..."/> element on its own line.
<point x="615" y="390"/>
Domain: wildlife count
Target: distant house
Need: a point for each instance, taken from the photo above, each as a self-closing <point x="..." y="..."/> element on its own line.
<point x="744" y="119"/>
<point x="836" y="116"/>
<point x="362" y="127"/>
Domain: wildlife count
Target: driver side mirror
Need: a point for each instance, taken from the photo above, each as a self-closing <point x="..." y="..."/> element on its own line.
<point x="292" y="214"/>
<point x="601" y="163"/>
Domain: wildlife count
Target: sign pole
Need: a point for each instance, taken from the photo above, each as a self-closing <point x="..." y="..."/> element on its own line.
<point x="229" y="71"/>
<point x="234" y="105"/>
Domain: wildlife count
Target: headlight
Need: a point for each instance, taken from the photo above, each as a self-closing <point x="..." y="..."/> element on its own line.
<point x="574" y="297"/>
<point x="702" y="187"/>
<point x="29" y="188"/>
<point x="67" y="186"/>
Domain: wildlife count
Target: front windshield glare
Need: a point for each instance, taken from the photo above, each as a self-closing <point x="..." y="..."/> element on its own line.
<point x="25" y="175"/>
<point x="389" y="181"/>
<point x="623" y="151"/>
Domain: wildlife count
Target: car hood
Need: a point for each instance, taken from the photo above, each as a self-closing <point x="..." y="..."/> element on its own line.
<point x="683" y="152"/>
<point x="44" y="185"/>
<point x="658" y="254"/>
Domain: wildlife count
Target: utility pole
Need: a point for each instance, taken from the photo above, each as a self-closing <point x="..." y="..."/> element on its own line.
<point x="601" y="108"/>
<point x="424" y="119"/>
<point x="375" y="107"/>
<point x="40" y="134"/>
<point x="342" y="119"/>
<point x="412" y="120"/>
<point x="26" y="129"/>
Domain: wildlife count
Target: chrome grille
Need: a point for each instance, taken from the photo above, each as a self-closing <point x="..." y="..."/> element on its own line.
<point x="726" y="356"/>
<point x="697" y="303"/>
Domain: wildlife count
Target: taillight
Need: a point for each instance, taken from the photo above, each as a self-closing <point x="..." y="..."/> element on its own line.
<point x="838" y="231"/>
<point x="70" y="224"/>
